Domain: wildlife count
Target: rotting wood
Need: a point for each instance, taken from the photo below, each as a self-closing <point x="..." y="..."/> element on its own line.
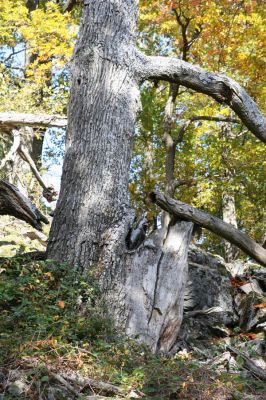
<point x="214" y="224"/>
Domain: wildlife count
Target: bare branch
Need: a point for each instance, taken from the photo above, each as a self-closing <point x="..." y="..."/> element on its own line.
<point x="49" y="192"/>
<point x="222" y="88"/>
<point x="14" y="120"/>
<point x="11" y="154"/>
<point x="220" y="118"/>
<point x="217" y="226"/>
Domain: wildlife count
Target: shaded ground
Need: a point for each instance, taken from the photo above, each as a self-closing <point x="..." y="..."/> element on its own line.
<point x="51" y="325"/>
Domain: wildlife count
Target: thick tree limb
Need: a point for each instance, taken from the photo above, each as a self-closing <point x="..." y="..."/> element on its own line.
<point x="222" y="88"/>
<point x="13" y="119"/>
<point x="13" y="202"/>
<point x="217" y="226"/>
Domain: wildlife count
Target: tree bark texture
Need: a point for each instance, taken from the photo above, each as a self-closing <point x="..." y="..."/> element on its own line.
<point x="155" y="284"/>
<point x="93" y="204"/>
<point x="227" y="231"/>
<point x="93" y="217"/>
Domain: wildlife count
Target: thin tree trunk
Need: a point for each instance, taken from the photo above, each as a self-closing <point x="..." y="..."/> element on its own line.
<point x="229" y="216"/>
<point x="228" y="198"/>
<point x="170" y="147"/>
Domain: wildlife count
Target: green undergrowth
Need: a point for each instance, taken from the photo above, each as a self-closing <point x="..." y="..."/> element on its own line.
<point x="51" y="319"/>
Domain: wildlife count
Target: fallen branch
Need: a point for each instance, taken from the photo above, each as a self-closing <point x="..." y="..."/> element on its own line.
<point x="249" y="364"/>
<point x="212" y="310"/>
<point x="92" y="383"/>
<point x="13" y="202"/>
<point x="214" y="224"/>
<point x="61" y="380"/>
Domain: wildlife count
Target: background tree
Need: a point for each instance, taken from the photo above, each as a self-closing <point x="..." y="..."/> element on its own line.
<point x="36" y="44"/>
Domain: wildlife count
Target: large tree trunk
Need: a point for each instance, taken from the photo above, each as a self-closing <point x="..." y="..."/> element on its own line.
<point x="143" y="286"/>
<point x="102" y="112"/>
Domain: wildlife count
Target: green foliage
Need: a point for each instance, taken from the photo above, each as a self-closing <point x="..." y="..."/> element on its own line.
<point x="46" y="301"/>
<point x="52" y="317"/>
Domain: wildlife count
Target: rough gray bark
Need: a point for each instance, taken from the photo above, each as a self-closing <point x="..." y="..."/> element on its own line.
<point x="93" y="216"/>
<point x="223" y="89"/>
<point x="227" y="231"/>
<point x="102" y="111"/>
<point x="13" y="202"/>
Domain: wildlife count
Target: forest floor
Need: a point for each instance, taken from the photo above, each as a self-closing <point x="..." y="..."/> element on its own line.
<point x="55" y="344"/>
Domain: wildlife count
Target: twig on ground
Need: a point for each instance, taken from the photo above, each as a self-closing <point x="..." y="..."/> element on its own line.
<point x="250" y="365"/>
